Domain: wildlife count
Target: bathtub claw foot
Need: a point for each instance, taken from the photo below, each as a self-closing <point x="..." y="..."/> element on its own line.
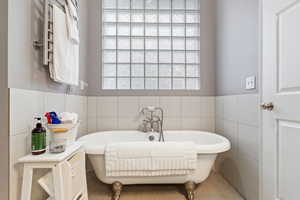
<point x="117" y="188"/>
<point x="190" y="188"/>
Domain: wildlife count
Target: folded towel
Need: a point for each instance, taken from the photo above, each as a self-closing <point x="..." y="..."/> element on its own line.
<point x="65" y="68"/>
<point x="67" y="117"/>
<point x="150" y="158"/>
<point x="72" y="22"/>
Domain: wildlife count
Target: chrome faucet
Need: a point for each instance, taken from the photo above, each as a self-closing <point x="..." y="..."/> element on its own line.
<point x="153" y="121"/>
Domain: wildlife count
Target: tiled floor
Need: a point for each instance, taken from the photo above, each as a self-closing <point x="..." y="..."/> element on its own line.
<point x="214" y="188"/>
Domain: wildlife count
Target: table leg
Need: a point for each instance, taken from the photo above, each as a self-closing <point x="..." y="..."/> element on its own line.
<point x="27" y="183"/>
<point x="59" y="192"/>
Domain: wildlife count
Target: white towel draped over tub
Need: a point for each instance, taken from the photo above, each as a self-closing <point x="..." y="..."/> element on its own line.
<point x="150" y="158"/>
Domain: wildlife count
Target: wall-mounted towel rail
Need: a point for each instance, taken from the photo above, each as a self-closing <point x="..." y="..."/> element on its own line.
<point x="48" y="30"/>
<point x="47" y="43"/>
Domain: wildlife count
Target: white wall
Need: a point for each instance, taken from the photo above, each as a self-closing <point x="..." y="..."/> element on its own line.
<point x="237" y="118"/>
<point x="237" y="45"/>
<point x="181" y="112"/>
<point x="24" y="106"/>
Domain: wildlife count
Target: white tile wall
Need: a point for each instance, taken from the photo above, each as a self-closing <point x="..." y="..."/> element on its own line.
<point x="128" y="107"/>
<point x="171" y="106"/>
<point x="237" y="118"/>
<point x="24" y="106"/>
<point x="191" y="107"/>
<point x="92" y="108"/>
<point x="123" y="112"/>
<point x="151" y="100"/>
<point x="107" y="106"/>
<point x="78" y="104"/>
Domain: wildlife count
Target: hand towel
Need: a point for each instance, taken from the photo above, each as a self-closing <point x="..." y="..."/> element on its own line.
<point x="69" y="117"/>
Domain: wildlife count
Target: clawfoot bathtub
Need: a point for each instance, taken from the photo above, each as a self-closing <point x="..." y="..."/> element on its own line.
<point x="208" y="146"/>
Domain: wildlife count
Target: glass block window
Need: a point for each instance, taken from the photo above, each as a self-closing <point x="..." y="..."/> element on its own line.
<point x="151" y="44"/>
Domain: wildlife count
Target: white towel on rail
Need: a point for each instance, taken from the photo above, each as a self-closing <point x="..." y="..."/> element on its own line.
<point x="72" y="22"/>
<point x="150" y="158"/>
<point x="72" y="9"/>
<point x="65" y="67"/>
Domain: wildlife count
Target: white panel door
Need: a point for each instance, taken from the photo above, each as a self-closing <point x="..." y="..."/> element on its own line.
<point x="281" y="86"/>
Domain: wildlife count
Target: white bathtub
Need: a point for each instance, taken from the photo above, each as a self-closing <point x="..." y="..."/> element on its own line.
<point x="208" y="146"/>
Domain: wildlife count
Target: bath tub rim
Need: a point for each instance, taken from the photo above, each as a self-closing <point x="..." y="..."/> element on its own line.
<point x="219" y="147"/>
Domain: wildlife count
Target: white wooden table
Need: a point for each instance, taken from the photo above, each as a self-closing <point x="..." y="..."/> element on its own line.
<point x="47" y="161"/>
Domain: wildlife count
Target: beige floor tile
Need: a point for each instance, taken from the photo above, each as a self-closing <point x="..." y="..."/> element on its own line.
<point x="214" y="188"/>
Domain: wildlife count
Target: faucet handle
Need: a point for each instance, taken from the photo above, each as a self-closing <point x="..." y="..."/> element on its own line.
<point x="156" y="118"/>
<point x="144" y="125"/>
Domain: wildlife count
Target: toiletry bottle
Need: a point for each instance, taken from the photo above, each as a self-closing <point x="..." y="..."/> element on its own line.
<point x="38" y="138"/>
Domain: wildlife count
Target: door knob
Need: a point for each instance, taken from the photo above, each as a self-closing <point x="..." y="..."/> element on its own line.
<point x="267" y="106"/>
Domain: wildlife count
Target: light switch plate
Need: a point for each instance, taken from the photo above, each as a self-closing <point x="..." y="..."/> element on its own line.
<point x="250" y="83"/>
<point x="82" y="85"/>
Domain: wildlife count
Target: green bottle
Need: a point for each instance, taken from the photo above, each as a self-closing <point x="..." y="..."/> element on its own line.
<point x="38" y="138"/>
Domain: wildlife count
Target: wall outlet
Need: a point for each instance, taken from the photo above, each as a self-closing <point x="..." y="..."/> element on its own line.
<point x="82" y="85"/>
<point x="250" y="83"/>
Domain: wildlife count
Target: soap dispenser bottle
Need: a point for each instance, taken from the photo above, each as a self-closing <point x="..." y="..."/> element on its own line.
<point x="38" y="138"/>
